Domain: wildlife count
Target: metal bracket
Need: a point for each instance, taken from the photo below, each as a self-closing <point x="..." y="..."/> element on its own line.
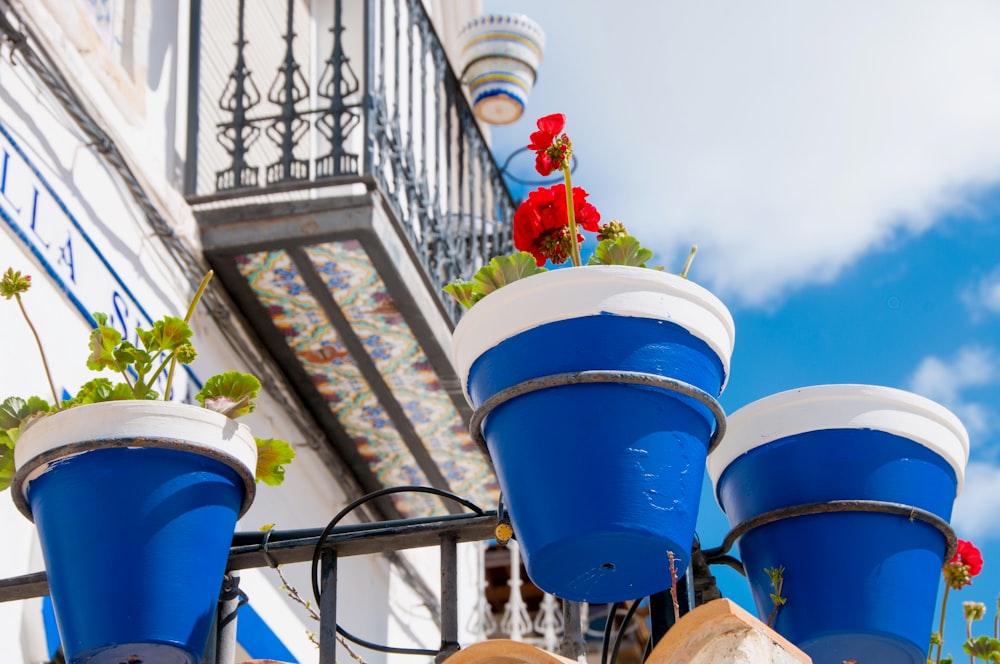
<point x="718" y="555"/>
<point x="598" y="376"/>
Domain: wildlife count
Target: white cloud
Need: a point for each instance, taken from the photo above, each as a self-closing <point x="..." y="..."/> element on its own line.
<point x="785" y="138"/>
<point x="947" y="381"/>
<point x="977" y="510"/>
<point x="984" y="295"/>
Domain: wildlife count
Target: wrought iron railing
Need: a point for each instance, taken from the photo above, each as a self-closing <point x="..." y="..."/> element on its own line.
<point x="324" y="547"/>
<point x="360" y="93"/>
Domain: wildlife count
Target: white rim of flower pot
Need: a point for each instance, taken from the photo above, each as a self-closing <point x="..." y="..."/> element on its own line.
<point x="162" y="424"/>
<point x="591" y="290"/>
<point x="847" y="406"/>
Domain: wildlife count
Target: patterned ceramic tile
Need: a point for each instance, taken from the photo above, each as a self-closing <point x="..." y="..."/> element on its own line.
<point x="361" y="294"/>
<point x="296" y="314"/>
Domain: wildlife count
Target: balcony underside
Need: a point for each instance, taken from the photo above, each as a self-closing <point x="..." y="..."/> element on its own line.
<point x="336" y="297"/>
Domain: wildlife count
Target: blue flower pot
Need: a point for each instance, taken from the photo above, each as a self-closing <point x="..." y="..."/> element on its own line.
<point x="601" y="479"/>
<point x="859" y="585"/>
<point x="136" y="527"/>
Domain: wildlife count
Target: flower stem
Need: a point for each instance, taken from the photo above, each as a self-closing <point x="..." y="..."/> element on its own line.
<point x="687" y="263"/>
<point x="968" y="636"/>
<point x="41" y="351"/>
<point x="673" y="586"/>
<point x="996" y="621"/>
<point x="187" y="318"/>
<point x="777" y="604"/>
<point x="574" y="246"/>
<point x="944" y="604"/>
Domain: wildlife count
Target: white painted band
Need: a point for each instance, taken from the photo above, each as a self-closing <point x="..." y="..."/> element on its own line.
<point x="590" y="290"/>
<point x="198" y="427"/>
<point x="843" y="407"/>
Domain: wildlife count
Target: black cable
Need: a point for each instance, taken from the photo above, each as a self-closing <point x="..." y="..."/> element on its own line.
<point x="608" y="628"/>
<point x="350" y="507"/>
<point x="622" y="630"/>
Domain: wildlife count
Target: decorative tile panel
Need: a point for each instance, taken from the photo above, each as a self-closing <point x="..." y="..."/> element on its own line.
<point x="368" y="306"/>
<point x="300" y="319"/>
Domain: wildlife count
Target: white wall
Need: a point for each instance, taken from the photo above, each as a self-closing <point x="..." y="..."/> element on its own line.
<point x="143" y="108"/>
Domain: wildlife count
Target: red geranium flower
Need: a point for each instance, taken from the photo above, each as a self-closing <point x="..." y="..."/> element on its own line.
<point x="552" y="150"/>
<point x="548" y="128"/>
<point x="548" y="227"/>
<point x="541" y="223"/>
<point x="970" y="556"/>
<point x="965" y="564"/>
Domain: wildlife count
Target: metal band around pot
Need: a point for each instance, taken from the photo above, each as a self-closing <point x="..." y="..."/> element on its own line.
<point x="595" y="376"/>
<point x="719" y="555"/>
<point x="38" y="463"/>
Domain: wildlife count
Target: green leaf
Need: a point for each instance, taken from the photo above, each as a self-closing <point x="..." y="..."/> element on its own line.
<point x="6" y="467"/>
<point x="231" y="393"/>
<point x="464" y="292"/>
<point x="103" y="341"/>
<point x="167" y="334"/>
<point x="144" y="391"/>
<point x="503" y="270"/>
<point x="272" y="455"/>
<point x="499" y="272"/>
<point x="16" y="413"/>
<point x="10" y="409"/>
<point x="984" y="647"/>
<point x="126" y="354"/>
<point x="622" y="251"/>
<point x="99" y="390"/>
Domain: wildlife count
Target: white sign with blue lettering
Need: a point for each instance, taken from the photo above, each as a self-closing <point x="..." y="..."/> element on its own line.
<point x="34" y="212"/>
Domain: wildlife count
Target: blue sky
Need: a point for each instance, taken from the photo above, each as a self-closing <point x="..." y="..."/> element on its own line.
<point x="838" y="164"/>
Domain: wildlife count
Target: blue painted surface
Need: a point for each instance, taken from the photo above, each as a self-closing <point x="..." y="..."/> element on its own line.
<point x="601" y="480"/>
<point x="252" y="633"/>
<point x="49" y="624"/>
<point x="859" y="585"/>
<point x="257" y="638"/>
<point x="135" y="544"/>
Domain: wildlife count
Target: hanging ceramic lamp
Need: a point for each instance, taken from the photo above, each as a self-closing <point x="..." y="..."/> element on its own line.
<point x="499" y="59"/>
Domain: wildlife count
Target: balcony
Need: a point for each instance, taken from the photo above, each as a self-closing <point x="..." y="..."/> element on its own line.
<point x="339" y="180"/>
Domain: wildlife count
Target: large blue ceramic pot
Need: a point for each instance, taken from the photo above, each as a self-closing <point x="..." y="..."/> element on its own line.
<point x="860" y="584"/>
<point x="601" y="479"/>
<point x="135" y="503"/>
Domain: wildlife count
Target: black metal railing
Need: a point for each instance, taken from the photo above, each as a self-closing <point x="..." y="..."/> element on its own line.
<point x="324" y="547"/>
<point x="370" y="98"/>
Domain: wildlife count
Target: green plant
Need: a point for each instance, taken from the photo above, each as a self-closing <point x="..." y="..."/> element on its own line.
<point x="547" y="225"/>
<point x="159" y="350"/>
<point x="984" y="647"/>
<point x="777" y="577"/>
